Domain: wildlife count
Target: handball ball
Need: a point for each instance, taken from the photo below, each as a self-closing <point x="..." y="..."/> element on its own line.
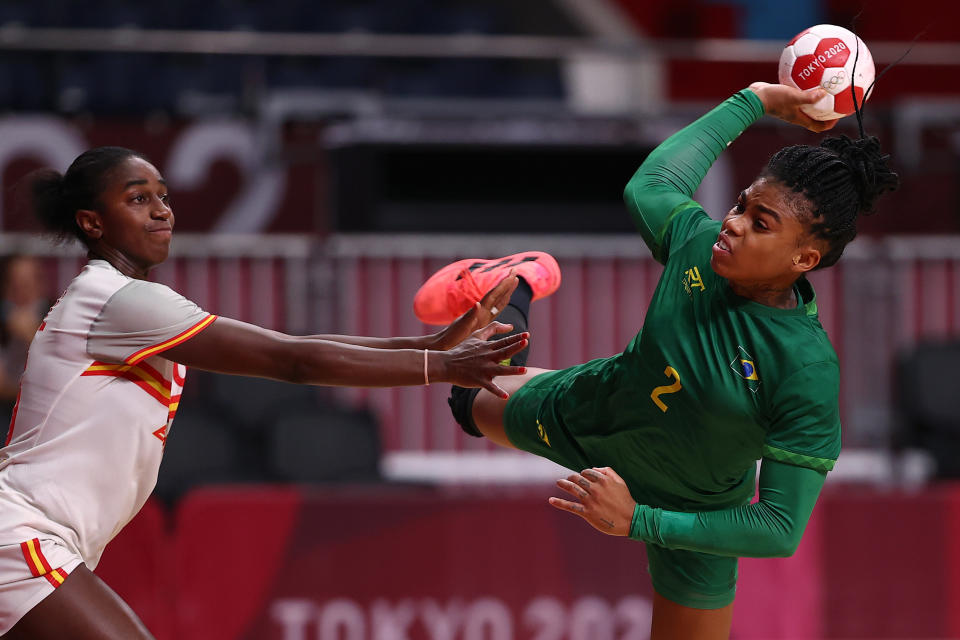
<point x="823" y="56"/>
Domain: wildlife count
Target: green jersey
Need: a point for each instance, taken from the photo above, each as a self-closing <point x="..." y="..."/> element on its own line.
<point x="713" y="382"/>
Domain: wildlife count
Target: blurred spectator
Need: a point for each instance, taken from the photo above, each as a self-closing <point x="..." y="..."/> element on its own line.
<point x="22" y="308"/>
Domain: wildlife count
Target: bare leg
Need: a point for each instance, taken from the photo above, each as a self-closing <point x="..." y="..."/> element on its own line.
<point x="672" y="621"/>
<point x="82" y="608"/>
<point x="488" y="408"/>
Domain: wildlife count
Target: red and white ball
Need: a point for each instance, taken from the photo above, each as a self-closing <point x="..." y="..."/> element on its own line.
<point x="823" y="56"/>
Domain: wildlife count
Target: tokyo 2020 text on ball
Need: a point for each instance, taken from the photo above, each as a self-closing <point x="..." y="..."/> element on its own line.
<point x="829" y="57"/>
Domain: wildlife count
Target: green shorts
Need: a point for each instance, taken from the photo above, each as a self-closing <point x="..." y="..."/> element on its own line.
<point x="689" y="578"/>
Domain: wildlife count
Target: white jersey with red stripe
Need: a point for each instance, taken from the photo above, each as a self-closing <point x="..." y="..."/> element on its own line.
<point x="96" y="402"/>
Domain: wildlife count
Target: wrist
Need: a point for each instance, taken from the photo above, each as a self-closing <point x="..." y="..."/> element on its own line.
<point x="759" y="89"/>
<point x="435" y="366"/>
<point x="431" y="342"/>
<point x="635" y="523"/>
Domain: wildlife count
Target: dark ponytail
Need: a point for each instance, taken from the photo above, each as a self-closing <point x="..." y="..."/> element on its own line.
<point x="56" y="198"/>
<point x="842" y="178"/>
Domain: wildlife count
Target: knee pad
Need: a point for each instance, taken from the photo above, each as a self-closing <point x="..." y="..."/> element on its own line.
<point x="461" y="406"/>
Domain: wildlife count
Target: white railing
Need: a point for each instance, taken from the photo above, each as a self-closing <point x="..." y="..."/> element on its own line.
<point x="883" y="297"/>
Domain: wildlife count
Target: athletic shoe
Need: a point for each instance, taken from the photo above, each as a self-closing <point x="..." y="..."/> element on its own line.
<point x="450" y="292"/>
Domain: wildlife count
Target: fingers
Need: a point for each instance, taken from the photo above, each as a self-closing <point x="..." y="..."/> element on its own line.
<point x="573" y="488"/>
<point x="819" y="126"/>
<point x="509" y="342"/>
<point x="608" y="472"/>
<point x="501" y="342"/>
<point x="594" y="475"/>
<point x="499" y="296"/>
<point x="814" y="125"/>
<point x="506" y="286"/>
<point x="493" y="328"/>
<point x="510" y="348"/>
<point x="467" y="318"/>
<point x="509" y="370"/>
<point x="566" y="505"/>
<point x="813" y="95"/>
<point x="579" y="480"/>
<point x="602" y="476"/>
<point x="495" y="389"/>
<point x="470" y="313"/>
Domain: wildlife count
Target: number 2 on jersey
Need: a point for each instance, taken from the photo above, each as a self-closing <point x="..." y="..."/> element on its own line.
<point x="670" y="372"/>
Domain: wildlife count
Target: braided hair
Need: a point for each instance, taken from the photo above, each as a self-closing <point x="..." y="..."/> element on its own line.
<point x="842" y="178"/>
<point x="55" y="198"/>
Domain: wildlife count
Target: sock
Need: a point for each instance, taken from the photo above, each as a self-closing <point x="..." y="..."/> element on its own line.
<point x="516" y="314"/>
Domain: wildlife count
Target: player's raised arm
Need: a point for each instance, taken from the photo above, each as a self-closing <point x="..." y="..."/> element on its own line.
<point x="663" y="186"/>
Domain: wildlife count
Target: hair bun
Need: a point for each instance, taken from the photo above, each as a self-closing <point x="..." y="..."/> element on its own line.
<point x="44" y="195"/>
<point x="868" y="166"/>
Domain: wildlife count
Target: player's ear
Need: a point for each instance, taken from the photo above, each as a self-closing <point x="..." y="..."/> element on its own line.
<point x="90" y="223"/>
<point x="805" y="259"/>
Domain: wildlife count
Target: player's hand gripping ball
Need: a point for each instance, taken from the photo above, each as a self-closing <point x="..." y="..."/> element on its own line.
<point x="823" y="56"/>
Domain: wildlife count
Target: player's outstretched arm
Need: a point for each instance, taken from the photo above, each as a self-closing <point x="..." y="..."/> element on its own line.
<point x="231" y="346"/>
<point x="480" y="315"/>
<point x="771" y="527"/>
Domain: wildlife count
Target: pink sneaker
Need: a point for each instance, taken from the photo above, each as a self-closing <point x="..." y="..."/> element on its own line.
<point x="451" y="291"/>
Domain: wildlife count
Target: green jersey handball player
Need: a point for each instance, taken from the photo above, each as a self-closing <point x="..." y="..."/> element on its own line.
<point x="731" y="365"/>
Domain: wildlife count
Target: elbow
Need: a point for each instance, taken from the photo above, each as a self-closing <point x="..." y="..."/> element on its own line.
<point x="783" y="551"/>
<point x="785" y="545"/>
<point x="633" y="196"/>
<point x="307" y="364"/>
<point x="633" y="190"/>
<point x="645" y="191"/>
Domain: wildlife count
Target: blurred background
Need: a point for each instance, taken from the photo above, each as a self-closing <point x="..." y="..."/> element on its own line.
<point x="325" y="157"/>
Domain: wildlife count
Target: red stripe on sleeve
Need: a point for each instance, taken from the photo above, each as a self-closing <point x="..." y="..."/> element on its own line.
<point x="25" y="549"/>
<point x="172" y="342"/>
<point x="43" y="560"/>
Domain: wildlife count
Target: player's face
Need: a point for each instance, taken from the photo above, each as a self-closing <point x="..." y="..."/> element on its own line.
<point x="763" y="243"/>
<point x="136" y="221"/>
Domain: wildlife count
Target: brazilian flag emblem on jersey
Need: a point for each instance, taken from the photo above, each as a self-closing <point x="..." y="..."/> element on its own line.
<point x="745" y="366"/>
